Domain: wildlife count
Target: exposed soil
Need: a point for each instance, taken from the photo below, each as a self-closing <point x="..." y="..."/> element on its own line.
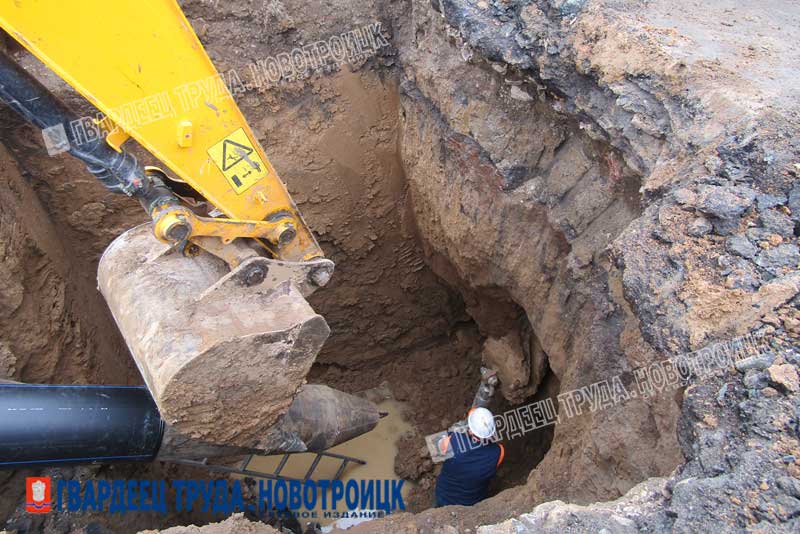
<point x="392" y="319"/>
<point x="567" y="190"/>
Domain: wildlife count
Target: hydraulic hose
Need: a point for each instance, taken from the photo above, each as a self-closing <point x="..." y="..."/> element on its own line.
<point x="56" y="424"/>
<point x="119" y="172"/>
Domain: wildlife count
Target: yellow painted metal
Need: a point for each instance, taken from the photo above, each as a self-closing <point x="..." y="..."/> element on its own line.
<point x="140" y="63"/>
<point x="185" y="134"/>
<point x="233" y="253"/>
<point x="115" y="136"/>
<point x="225" y="229"/>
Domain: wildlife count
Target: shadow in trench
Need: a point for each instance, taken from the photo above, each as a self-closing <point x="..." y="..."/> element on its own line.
<point x="523" y="454"/>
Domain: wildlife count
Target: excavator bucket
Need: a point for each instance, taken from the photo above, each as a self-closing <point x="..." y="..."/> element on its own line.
<point x="223" y="360"/>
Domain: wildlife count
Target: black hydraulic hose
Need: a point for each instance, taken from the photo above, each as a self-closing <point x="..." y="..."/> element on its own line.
<point x="120" y="172"/>
<point x="56" y="424"/>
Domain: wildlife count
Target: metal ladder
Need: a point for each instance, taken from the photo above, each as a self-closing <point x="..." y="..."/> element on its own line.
<point x="320" y="455"/>
<point x="275" y="475"/>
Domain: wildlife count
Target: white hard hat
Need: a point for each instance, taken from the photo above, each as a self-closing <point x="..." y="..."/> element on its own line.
<point x="481" y="423"/>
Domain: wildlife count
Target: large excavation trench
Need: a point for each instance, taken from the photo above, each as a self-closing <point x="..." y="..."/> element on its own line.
<point x="471" y="218"/>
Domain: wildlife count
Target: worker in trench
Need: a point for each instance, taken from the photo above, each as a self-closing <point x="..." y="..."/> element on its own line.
<point x="473" y="460"/>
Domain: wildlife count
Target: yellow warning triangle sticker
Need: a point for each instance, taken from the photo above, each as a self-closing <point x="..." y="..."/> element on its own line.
<point x="233" y="153"/>
<point x="239" y="161"/>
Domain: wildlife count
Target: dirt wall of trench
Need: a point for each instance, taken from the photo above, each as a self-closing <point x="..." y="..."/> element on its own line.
<point x="510" y="193"/>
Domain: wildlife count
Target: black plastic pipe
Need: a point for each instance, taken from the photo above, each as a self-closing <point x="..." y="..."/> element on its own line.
<point x="55" y="424"/>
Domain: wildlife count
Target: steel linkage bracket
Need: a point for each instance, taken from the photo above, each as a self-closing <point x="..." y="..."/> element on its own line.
<point x="259" y="274"/>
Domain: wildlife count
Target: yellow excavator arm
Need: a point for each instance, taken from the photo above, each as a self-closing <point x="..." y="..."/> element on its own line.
<point x="213" y="308"/>
<point x="141" y="64"/>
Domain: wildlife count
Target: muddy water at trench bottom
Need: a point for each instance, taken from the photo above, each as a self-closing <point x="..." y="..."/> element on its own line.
<point x="378" y="448"/>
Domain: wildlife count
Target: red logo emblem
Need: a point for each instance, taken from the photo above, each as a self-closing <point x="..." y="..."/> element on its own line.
<point x="37" y="495"/>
